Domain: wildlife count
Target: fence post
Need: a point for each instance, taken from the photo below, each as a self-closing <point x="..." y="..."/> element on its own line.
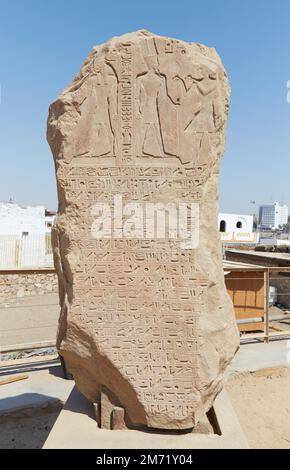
<point x="17" y="253"/>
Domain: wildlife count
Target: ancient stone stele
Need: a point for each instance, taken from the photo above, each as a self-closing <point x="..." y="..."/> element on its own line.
<point x="146" y="326"/>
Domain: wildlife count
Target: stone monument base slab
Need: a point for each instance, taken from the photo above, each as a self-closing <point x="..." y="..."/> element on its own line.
<point x="76" y="428"/>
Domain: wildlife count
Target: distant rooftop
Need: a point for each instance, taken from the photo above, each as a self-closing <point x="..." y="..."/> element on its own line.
<point x="262" y="254"/>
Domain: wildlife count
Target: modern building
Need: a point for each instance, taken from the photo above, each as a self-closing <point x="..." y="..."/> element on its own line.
<point x="24" y="236"/>
<point x="275" y="241"/>
<point x="273" y="216"/>
<point x="21" y="220"/>
<point x="237" y="228"/>
<point x="235" y="223"/>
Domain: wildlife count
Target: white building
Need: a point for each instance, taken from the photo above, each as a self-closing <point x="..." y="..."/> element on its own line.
<point x="23" y="239"/>
<point x="21" y="220"/>
<point x="49" y="220"/>
<point x="237" y="228"/>
<point x="272" y="216"/>
<point x="235" y="223"/>
<point x="275" y="241"/>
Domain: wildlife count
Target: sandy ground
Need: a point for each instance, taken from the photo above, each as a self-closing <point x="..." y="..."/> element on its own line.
<point x="261" y="400"/>
<point x="27" y="431"/>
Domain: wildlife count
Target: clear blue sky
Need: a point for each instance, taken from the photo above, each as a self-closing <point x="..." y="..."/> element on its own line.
<point x="43" y="44"/>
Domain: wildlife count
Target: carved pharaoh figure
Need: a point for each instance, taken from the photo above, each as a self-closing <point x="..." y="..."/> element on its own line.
<point x="98" y="109"/>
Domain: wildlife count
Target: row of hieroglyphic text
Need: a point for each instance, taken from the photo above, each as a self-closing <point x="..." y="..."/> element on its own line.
<point x="91" y="185"/>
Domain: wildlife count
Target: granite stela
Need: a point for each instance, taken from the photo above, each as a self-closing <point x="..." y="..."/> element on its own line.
<point x="146" y="326"/>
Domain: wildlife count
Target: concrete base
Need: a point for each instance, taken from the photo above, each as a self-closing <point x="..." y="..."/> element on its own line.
<point x="44" y="388"/>
<point x="251" y="357"/>
<point x="76" y="428"/>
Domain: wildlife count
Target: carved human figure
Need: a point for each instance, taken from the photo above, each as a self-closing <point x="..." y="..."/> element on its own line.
<point x="209" y="118"/>
<point x="190" y="106"/>
<point x="96" y="125"/>
<point x="150" y="87"/>
<point x="199" y="114"/>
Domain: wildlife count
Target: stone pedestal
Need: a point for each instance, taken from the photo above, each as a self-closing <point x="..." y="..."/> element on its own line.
<point x="76" y="428"/>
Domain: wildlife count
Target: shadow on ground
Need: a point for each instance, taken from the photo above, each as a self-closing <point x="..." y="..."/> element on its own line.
<point x="28" y="428"/>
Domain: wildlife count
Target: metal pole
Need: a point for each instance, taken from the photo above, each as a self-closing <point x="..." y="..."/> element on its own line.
<point x="242" y="321"/>
<point x="27" y="346"/>
<point x="266" y="305"/>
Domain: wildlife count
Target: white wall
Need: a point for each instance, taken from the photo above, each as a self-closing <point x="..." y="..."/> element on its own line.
<point x="22" y="236"/>
<point x="236" y="223"/>
<point x="15" y="219"/>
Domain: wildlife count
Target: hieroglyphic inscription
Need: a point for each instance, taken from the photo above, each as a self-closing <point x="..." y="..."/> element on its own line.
<point x="126" y="92"/>
<point x="159" y="322"/>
